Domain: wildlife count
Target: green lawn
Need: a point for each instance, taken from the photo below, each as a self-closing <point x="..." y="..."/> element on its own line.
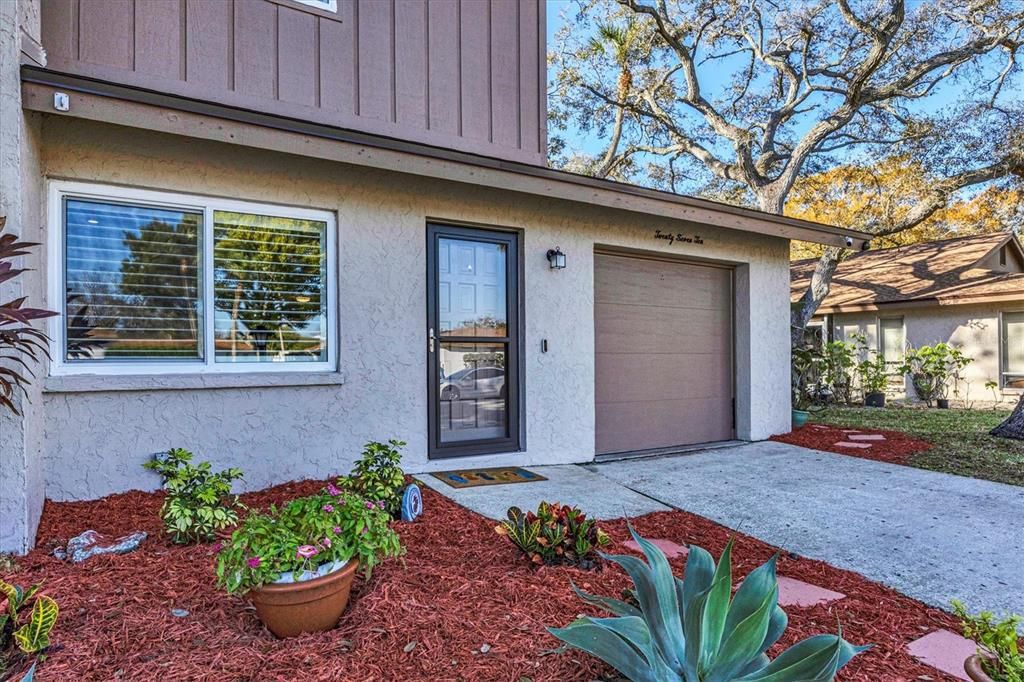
<point x="961" y="444"/>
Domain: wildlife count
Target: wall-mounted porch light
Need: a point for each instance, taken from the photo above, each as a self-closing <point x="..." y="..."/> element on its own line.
<point x="556" y="258"/>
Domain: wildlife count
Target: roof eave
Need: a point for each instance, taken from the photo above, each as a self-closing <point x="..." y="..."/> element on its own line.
<point x="135" y="108"/>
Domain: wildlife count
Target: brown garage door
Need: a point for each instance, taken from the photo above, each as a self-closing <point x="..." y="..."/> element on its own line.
<point x="663" y="353"/>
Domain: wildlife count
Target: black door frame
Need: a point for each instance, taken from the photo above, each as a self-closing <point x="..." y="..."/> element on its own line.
<point x="515" y="440"/>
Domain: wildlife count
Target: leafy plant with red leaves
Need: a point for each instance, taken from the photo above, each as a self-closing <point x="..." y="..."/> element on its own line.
<point x="20" y="343"/>
<point x="555" y="534"/>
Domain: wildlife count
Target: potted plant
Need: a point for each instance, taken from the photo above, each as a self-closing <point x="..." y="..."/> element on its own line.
<point x="806" y="363"/>
<point x="998" y="658"/>
<point x="930" y="369"/>
<point x="297" y="562"/>
<point x="874" y="377"/>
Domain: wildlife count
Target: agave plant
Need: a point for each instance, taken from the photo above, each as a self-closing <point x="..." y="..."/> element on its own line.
<point x="19" y="342"/>
<point x="695" y="630"/>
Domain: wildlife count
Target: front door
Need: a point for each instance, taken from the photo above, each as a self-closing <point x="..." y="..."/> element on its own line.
<point x="472" y="336"/>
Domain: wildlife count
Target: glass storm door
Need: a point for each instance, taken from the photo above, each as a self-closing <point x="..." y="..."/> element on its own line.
<point x="472" y="341"/>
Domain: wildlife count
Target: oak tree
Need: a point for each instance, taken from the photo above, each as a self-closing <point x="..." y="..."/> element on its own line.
<point x="741" y="98"/>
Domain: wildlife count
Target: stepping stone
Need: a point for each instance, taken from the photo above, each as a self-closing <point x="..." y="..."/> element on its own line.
<point x="671" y="549"/>
<point x="846" y="444"/>
<point x="850" y="431"/>
<point x="944" y="650"/>
<point x="866" y="436"/>
<point x="793" y="592"/>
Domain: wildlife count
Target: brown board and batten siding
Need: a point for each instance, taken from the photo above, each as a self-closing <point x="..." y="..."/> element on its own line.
<point x="663" y="353"/>
<point x="460" y="74"/>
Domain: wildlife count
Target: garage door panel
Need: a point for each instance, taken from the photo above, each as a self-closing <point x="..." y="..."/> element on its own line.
<point x="663" y="362"/>
<point x="648" y="329"/>
<point x="661" y="283"/>
<point x="656" y="424"/>
<point x="638" y="377"/>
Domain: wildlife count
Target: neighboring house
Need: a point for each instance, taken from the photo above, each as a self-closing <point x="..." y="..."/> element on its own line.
<point x="278" y="229"/>
<point x="967" y="291"/>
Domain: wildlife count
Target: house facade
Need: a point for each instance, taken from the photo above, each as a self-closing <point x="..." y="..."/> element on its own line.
<point x="967" y="292"/>
<point x="277" y="229"/>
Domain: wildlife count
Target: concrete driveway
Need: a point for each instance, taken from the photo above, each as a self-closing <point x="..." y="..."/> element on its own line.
<point x="930" y="535"/>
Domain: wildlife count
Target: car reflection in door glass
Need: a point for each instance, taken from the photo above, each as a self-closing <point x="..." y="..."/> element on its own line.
<point x="474" y="382"/>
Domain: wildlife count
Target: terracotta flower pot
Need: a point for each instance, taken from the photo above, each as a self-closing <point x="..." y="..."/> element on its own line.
<point x="289" y="609"/>
<point x="972" y="666"/>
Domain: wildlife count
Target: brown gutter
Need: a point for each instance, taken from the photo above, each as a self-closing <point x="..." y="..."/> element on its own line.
<point x="133" y="107"/>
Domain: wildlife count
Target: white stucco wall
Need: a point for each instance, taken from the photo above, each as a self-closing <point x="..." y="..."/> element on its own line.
<point x="973" y="328"/>
<point x="96" y="441"/>
<point x="21" y="465"/>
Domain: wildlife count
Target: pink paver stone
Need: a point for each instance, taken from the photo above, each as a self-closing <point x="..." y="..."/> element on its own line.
<point x="845" y="444"/>
<point x="793" y="592"/>
<point x="866" y="436"/>
<point x="671" y="549"/>
<point x="944" y="650"/>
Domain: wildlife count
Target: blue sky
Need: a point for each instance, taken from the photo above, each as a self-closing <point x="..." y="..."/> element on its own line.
<point x="557" y="10"/>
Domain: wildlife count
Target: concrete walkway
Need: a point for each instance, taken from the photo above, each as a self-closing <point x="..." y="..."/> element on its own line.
<point x="929" y="535"/>
<point x="598" y="496"/>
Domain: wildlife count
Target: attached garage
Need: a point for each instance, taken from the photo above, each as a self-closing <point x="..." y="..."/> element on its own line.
<point x="664" y="352"/>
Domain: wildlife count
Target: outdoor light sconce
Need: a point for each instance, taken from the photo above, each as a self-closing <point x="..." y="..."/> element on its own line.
<point x="556" y="258"/>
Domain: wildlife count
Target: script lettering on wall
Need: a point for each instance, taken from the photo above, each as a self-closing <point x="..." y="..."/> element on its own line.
<point x="673" y="237"/>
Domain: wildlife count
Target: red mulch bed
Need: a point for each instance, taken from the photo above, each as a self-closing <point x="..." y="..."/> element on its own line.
<point x="895" y="449"/>
<point x="459" y="587"/>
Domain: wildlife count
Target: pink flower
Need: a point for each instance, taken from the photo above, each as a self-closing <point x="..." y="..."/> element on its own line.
<point x="306" y="551"/>
<point x="333" y="490"/>
<point x="380" y="503"/>
<point x="327" y="542"/>
<point x="371" y="505"/>
<point x="328" y="508"/>
<point x="217" y="547"/>
<point x="337" y="530"/>
<point x="254" y="562"/>
<point x="362" y="532"/>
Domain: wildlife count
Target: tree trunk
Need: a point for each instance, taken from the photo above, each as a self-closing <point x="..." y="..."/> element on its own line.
<point x="821" y="282"/>
<point x="1012" y="426"/>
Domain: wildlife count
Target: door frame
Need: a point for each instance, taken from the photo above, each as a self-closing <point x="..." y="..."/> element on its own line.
<point x="515" y="441"/>
<point x="682" y="259"/>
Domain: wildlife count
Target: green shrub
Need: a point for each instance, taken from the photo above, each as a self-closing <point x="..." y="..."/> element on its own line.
<point x="31" y="634"/>
<point x="304" y="535"/>
<point x="199" y="502"/>
<point x="838" y="362"/>
<point x="873" y="373"/>
<point x="931" y="367"/>
<point x="556" y="534"/>
<point x="690" y="630"/>
<point x="378" y="476"/>
<point x="997" y="643"/>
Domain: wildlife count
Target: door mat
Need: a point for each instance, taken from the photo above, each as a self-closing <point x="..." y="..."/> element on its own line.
<point x="470" y="478"/>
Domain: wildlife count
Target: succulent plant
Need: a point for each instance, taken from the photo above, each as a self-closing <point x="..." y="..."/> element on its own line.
<point x="695" y="630"/>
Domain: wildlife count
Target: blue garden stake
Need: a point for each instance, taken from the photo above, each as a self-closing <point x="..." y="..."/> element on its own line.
<point x="412" y="502"/>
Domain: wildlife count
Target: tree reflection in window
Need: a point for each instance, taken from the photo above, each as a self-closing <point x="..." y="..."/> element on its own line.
<point x="269" y="288"/>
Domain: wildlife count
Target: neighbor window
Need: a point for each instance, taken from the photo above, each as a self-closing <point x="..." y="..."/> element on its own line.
<point x="155" y="282"/>
<point x="891" y="341"/>
<point x="1012" y="342"/>
<point x="329" y="5"/>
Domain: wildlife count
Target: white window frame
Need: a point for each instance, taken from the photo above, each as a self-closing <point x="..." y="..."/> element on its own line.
<point x="325" y="5"/>
<point x="1003" y="371"/>
<point x="59" y="366"/>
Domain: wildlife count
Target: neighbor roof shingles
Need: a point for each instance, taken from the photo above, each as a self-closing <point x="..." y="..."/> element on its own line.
<point x="945" y="271"/>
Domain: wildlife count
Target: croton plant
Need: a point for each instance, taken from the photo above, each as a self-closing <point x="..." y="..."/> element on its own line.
<point x="555" y="534"/>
